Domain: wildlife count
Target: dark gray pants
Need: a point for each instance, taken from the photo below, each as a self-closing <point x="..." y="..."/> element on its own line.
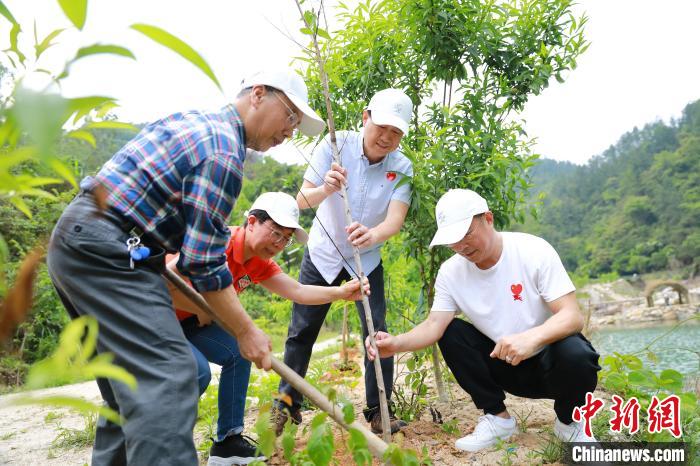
<point x="89" y="266"/>
<point x="308" y="319"/>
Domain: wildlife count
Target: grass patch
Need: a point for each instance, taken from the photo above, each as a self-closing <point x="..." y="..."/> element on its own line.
<point x="52" y="416"/>
<point x="551" y="451"/>
<point x="73" y="439"/>
<point x="207" y="414"/>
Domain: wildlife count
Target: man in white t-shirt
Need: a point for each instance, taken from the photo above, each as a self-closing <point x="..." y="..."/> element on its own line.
<point x="523" y="331"/>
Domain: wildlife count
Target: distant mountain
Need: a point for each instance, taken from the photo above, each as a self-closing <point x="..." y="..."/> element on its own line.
<point x="633" y="209"/>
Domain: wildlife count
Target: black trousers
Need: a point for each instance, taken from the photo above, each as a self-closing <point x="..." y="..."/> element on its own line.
<point x="306" y="324"/>
<point x="563" y="371"/>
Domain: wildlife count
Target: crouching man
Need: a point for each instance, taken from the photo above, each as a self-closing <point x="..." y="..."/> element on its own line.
<point x="523" y="331"/>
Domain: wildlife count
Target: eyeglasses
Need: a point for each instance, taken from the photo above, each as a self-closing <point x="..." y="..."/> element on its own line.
<point x="293" y="119"/>
<point x="467" y="236"/>
<point x="278" y="238"/>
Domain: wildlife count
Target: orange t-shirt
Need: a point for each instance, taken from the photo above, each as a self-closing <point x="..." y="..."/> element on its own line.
<point x="255" y="270"/>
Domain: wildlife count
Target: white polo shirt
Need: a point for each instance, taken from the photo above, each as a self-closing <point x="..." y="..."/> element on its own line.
<point x="370" y="189"/>
<point x="509" y="297"/>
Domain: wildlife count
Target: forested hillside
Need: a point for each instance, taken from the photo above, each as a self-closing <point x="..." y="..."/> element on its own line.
<point x="633" y="209"/>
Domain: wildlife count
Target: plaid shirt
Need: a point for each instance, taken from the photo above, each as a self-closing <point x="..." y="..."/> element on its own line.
<point x="178" y="180"/>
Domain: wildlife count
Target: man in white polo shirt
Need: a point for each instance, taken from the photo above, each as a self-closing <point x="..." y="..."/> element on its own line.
<point x="523" y="335"/>
<point x="372" y="168"/>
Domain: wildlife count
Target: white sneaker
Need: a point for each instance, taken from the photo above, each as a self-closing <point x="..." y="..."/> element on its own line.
<point x="573" y="432"/>
<point x="487" y="432"/>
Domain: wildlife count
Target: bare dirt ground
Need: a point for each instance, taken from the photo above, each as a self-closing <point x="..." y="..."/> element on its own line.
<point x="27" y="432"/>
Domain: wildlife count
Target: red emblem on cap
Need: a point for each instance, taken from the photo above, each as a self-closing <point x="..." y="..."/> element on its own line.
<point x="517" y="289"/>
<point x="391" y="176"/>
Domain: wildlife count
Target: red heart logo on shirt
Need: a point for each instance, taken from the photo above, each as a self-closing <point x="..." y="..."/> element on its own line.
<point x="516" y="289"/>
<point x="391" y="176"/>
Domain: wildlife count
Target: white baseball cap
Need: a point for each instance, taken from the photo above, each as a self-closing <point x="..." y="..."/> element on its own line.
<point x="454" y="212"/>
<point x="391" y="107"/>
<point x="295" y="89"/>
<point x="283" y="210"/>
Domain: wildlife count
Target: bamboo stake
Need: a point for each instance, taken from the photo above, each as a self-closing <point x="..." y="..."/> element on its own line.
<point x="376" y="445"/>
<point x="383" y="403"/>
<point x="345" y="337"/>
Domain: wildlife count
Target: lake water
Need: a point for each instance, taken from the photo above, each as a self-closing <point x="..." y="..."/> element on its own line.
<point x="678" y="350"/>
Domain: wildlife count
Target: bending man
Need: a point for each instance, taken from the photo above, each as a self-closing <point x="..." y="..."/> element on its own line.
<point x="170" y="188"/>
<point x="523" y="335"/>
<point x="271" y="225"/>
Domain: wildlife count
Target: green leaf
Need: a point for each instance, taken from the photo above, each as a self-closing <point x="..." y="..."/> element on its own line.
<point x="319" y="419"/>
<point x="289" y="440"/>
<point x="96" y="49"/>
<point x="111" y="124"/>
<point x="41" y="116"/>
<point x="16" y="157"/>
<point x="110" y="371"/>
<point x="41" y="181"/>
<point x="615" y="381"/>
<point x="63" y="170"/>
<point x="348" y="413"/>
<point x="6" y="13"/>
<point x="266" y="435"/>
<point x="671" y="380"/>
<point x="320" y="446"/>
<point x="306" y="31"/>
<point x="21" y="205"/>
<point x="83" y="136"/>
<point x="14" y="33"/>
<point x="632" y="362"/>
<point x="102" y="111"/>
<point x="75" y="10"/>
<point x="309" y="18"/>
<point x="357" y="444"/>
<point x="178" y="46"/>
<point x="643" y="378"/>
<point x="46" y="43"/>
<point x="323" y="33"/>
<point x="81" y="106"/>
<point x="78" y="404"/>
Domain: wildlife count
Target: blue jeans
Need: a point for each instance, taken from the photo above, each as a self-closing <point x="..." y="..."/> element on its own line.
<point x="213" y="344"/>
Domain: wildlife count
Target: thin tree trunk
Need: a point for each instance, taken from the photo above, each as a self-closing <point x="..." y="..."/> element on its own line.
<point x="437" y="370"/>
<point x="383" y="400"/>
<point x="345" y="335"/>
<point x="437" y="373"/>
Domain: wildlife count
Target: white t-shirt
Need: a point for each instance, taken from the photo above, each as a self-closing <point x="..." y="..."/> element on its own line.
<point x="509" y="297"/>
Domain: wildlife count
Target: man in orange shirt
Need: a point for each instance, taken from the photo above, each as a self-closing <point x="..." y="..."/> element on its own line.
<point x="271" y="224"/>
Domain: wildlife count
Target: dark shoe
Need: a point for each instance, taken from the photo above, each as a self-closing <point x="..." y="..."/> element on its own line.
<point x="280" y="416"/>
<point x="234" y="449"/>
<point x="376" y="423"/>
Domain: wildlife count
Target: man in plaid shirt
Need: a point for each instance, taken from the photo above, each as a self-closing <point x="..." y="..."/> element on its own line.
<point x="171" y="189"/>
